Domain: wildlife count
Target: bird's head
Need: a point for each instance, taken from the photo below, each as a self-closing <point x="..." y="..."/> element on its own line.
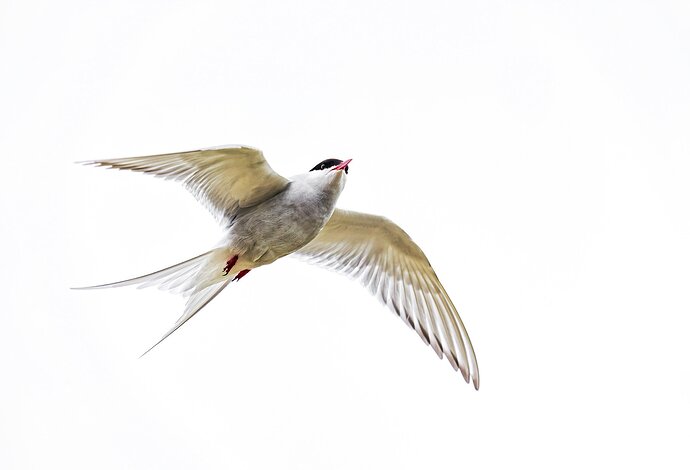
<point x="330" y="173"/>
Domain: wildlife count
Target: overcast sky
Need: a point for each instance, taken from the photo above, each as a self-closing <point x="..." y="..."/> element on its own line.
<point x="537" y="151"/>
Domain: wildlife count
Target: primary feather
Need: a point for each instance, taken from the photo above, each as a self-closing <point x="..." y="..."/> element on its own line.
<point x="224" y="179"/>
<point x="379" y="254"/>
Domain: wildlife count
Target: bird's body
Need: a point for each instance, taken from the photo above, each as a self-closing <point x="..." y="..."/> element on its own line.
<point x="267" y="217"/>
<point x="286" y="222"/>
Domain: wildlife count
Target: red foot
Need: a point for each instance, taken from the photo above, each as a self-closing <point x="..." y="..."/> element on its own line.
<point x="241" y="274"/>
<point x="228" y="266"/>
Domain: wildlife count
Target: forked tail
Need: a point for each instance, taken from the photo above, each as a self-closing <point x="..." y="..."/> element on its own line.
<point x="179" y="278"/>
<point x="200" y="278"/>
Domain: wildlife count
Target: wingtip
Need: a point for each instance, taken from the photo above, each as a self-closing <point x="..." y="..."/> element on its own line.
<point x="100" y="286"/>
<point x="465" y="374"/>
<point x="96" y="163"/>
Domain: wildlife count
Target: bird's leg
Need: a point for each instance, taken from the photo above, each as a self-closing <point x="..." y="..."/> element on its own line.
<point x="241" y="274"/>
<point x="228" y="266"/>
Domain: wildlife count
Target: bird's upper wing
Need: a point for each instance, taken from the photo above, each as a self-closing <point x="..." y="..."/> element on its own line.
<point x="224" y="179"/>
<point x="384" y="258"/>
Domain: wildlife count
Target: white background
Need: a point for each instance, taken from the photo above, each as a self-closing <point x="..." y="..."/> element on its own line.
<point x="537" y="151"/>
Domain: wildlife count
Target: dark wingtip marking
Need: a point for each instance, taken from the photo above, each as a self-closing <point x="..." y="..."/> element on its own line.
<point x="425" y="333"/>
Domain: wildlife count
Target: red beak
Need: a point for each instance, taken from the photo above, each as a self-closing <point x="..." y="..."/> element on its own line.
<point x="342" y="165"/>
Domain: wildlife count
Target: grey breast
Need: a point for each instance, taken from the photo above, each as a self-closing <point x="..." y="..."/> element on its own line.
<point x="282" y="224"/>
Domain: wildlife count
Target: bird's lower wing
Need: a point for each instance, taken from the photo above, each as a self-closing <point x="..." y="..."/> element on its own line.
<point x="384" y="259"/>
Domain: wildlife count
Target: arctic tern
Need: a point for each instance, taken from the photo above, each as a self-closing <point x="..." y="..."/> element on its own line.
<point x="266" y="217"/>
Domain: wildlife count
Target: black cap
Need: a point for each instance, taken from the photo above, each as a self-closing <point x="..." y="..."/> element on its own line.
<point x="329" y="163"/>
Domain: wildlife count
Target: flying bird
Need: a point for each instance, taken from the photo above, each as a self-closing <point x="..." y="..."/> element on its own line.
<point x="266" y="217"/>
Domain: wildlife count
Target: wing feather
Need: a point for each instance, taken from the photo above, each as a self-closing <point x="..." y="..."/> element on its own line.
<point x="393" y="268"/>
<point x="224" y="179"/>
